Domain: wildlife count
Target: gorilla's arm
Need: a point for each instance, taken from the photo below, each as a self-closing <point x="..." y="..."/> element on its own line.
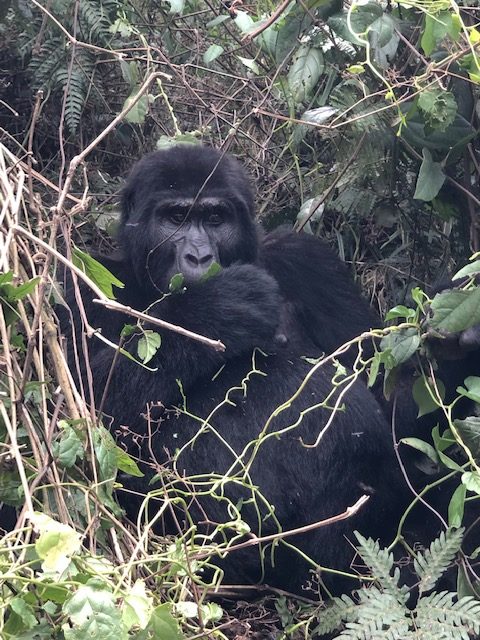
<point x="326" y="300"/>
<point x="239" y="306"/>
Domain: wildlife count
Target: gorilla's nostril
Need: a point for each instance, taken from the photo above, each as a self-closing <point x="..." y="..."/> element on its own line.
<point x="193" y="260"/>
<point x="206" y="259"/>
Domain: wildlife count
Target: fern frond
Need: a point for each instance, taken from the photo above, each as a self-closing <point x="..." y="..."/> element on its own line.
<point x="379" y="615"/>
<point x="46" y="61"/>
<point x="454" y="620"/>
<point x="380" y="563"/>
<point x="354" y="200"/>
<point x="435" y="561"/>
<point x="339" y="610"/>
<point x="76" y="95"/>
<point x="95" y="20"/>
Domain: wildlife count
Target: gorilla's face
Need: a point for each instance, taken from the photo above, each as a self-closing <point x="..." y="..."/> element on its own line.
<point x="183" y="210"/>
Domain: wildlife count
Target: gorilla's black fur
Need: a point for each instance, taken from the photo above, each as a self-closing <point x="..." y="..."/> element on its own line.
<point x="277" y="299"/>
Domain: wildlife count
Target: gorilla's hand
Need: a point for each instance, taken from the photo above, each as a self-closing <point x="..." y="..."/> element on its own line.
<point x="239" y="306"/>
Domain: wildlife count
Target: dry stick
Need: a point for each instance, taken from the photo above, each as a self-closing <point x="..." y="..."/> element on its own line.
<point x="334" y="183"/>
<point x="38" y="176"/>
<point x="254" y="540"/>
<point x="217" y="345"/>
<point x="269" y="21"/>
<point x="112" y="304"/>
<point x="36" y="112"/>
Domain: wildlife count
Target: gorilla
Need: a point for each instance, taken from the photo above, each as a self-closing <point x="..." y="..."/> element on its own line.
<point x="225" y="437"/>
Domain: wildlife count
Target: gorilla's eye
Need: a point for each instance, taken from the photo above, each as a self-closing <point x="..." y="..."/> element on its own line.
<point x="214" y="218"/>
<point x="177" y="217"/>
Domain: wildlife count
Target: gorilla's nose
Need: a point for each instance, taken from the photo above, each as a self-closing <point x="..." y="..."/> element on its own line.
<point x="194" y="263"/>
<point x="200" y="260"/>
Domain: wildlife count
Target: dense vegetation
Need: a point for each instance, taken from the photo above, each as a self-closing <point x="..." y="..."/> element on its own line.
<point x="358" y="122"/>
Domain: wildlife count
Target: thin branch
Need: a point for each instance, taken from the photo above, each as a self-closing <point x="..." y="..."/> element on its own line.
<point x="281" y="535"/>
<point x="269" y="21"/>
<point x="112" y="304"/>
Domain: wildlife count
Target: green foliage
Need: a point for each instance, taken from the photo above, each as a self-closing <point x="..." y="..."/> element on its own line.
<point x="71" y="74"/>
<point x="433" y="563"/>
<point x="148" y="345"/>
<point x="381" y="611"/>
<point x="95" y="270"/>
<point x="430" y="178"/>
<point x="367" y="116"/>
<point x="305" y="71"/>
<point x="456" y="310"/>
<point x="438" y="108"/>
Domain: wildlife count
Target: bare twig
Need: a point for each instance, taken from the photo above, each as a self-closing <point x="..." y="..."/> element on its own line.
<point x="112" y="304"/>
<point x="269" y="21"/>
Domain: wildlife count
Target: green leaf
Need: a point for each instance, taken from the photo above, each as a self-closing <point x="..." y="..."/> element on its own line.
<point x="106" y="453"/>
<point x="6" y="277"/>
<point x="176" y="282"/>
<point x="244" y="21"/>
<point x="212" y="53"/>
<point x="471" y="480"/>
<point x="400" y="311"/>
<point x="138" y="112"/>
<point x="307" y="67"/>
<point x="130" y="72"/>
<point x="128" y="330"/>
<point x="422" y="394"/>
<point x="163" y="625"/>
<point x="69" y="447"/>
<point x="148" y="345"/>
<point x="469" y="430"/>
<point x="21" y="618"/>
<point x="211" y="612"/>
<point x="438" y="107"/>
<point x="456" y="310"/>
<point x="401" y="344"/>
<point x="356" y="69"/>
<point x="437" y="26"/>
<point x="176" y="6"/>
<point x="56" y="543"/>
<point x="456" y="506"/>
<point x="470" y="269"/>
<point x="218" y="20"/>
<point x="361" y="18"/>
<point x="251" y="64"/>
<point x="374" y="369"/>
<point x="14" y="293"/>
<point x="383" y="40"/>
<point x="456" y="136"/>
<point x="430" y="178"/>
<point x="93" y="614"/>
<point x="137" y="606"/>
<point x="127" y="464"/>
<point x="422" y="446"/>
<point x="99" y="274"/>
<point x="444" y="441"/>
<point x="107" y="458"/>
<point x="212" y="270"/>
<point x="473" y="388"/>
<point x="441" y="444"/>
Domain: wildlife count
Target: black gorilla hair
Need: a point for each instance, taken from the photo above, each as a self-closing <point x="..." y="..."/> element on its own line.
<point x="187" y="207"/>
<point x="186" y="174"/>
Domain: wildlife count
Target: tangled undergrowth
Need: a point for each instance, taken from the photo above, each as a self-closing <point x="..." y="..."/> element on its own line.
<point x="358" y="122"/>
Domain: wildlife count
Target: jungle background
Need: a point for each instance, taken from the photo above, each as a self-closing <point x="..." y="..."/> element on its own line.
<point x="357" y="121"/>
